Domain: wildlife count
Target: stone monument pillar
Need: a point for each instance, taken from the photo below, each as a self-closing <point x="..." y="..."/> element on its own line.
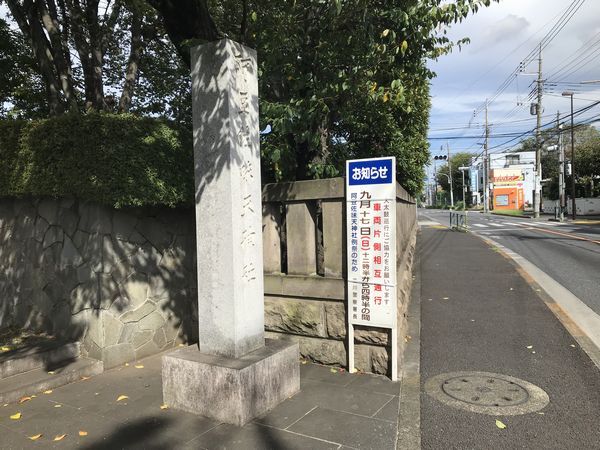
<point x="234" y="374"/>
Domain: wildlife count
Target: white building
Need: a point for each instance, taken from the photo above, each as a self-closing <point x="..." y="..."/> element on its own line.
<point x="516" y="161"/>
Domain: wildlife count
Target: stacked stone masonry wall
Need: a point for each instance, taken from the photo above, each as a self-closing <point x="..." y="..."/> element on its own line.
<point x="119" y="281"/>
<point x="123" y="281"/>
<point x="304" y="248"/>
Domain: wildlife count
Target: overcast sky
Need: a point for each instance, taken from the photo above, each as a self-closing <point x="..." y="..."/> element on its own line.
<point x="501" y="36"/>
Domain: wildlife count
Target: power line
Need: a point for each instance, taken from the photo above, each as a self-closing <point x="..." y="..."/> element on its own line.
<point x="568" y="13"/>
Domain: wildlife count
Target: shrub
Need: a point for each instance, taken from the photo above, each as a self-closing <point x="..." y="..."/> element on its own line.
<point x="118" y="160"/>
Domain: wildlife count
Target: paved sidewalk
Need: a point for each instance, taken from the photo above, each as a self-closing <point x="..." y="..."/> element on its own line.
<point x="479" y="314"/>
<point x="333" y="410"/>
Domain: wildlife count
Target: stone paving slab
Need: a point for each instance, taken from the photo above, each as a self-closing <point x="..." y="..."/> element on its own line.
<point x="333" y="410"/>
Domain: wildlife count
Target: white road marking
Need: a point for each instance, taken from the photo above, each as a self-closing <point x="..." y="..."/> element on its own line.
<point x="497" y="224"/>
<point x="480" y="225"/>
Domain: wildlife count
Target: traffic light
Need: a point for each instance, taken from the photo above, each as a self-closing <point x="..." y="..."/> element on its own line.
<point x="444" y="157"/>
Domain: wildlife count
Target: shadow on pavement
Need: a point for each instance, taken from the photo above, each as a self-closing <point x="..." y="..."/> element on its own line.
<point x="142" y="433"/>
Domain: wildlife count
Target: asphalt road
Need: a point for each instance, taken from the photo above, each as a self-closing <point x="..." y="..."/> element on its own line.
<point x="479" y="314"/>
<point x="565" y="251"/>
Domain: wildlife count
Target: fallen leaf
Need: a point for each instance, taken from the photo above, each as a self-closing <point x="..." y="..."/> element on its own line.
<point x="181" y="345"/>
<point x="139" y="366"/>
<point x="16" y="416"/>
<point x="573" y="345"/>
<point x="51" y="372"/>
<point x="58" y="406"/>
<point x="33" y="396"/>
<point x="164" y="407"/>
<point x="59" y="437"/>
<point x="332" y="370"/>
<point x="24" y="399"/>
<point x="530" y="346"/>
<point x="85" y="378"/>
<point x="49" y="391"/>
<point x="122" y="397"/>
<point x="541" y="413"/>
<point x="5" y="349"/>
<point x="304" y="362"/>
<point x="83" y="433"/>
<point x="5" y="405"/>
<point x="126" y="364"/>
<point x="35" y="437"/>
<point x="500" y="425"/>
<point x="533" y="351"/>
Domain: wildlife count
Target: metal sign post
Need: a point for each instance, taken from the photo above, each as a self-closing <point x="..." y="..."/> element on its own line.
<point x="371" y="249"/>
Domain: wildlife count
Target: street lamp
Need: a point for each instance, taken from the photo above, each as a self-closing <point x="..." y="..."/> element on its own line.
<point x="574" y="212"/>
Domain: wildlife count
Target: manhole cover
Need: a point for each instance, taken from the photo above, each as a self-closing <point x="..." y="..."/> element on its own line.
<point x="487" y="393"/>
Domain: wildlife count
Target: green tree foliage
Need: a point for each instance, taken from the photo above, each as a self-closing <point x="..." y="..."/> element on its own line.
<point x="77" y="56"/>
<point x="21" y="87"/>
<point x="339" y="80"/>
<point x="587" y="158"/>
<point x="457" y="160"/>
<point x="114" y="159"/>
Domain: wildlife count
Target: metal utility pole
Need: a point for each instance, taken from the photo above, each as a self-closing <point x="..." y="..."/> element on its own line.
<point x="537" y="196"/>
<point x="464" y="186"/>
<point x="450" y="176"/>
<point x="486" y="201"/>
<point x="573" y="202"/>
<point x="561" y="172"/>
<point x="435" y="181"/>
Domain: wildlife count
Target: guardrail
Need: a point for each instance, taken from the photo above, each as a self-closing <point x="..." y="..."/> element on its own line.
<point x="458" y="221"/>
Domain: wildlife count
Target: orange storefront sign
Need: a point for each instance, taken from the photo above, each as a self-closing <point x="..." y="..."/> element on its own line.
<point x="509" y="197"/>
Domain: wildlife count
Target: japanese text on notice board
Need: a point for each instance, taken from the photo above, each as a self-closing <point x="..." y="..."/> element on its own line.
<point x="371" y="212"/>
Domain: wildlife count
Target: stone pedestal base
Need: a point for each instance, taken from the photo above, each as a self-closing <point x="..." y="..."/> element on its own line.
<point x="231" y="390"/>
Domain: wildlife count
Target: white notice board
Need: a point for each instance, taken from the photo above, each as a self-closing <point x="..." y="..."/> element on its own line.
<point x="371" y="247"/>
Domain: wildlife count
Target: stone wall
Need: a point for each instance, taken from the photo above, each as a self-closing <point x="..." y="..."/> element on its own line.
<point x="305" y="263"/>
<point x="123" y="282"/>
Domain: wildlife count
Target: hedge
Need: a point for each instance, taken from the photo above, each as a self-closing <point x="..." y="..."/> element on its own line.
<point x="118" y="160"/>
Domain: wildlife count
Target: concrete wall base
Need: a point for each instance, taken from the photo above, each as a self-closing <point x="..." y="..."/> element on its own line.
<point x="231" y="390"/>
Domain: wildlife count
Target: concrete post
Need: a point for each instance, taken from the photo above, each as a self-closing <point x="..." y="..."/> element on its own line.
<point x="216" y="381"/>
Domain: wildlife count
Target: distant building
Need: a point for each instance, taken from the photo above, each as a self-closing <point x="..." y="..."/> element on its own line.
<point x="511" y="180"/>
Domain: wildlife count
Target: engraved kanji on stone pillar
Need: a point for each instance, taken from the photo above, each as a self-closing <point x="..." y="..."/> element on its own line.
<point x="228" y="199"/>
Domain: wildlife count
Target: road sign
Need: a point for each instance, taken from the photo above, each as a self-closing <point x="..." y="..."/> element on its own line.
<point x="371" y="246"/>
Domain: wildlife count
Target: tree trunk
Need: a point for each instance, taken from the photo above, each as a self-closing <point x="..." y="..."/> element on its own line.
<point x="83" y="49"/>
<point x="59" y="48"/>
<point x="30" y="26"/>
<point x="131" y="72"/>
<point x="96" y="42"/>
<point x="186" y="20"/>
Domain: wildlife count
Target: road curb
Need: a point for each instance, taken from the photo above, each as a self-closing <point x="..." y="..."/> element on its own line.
<point x="409" y="414"/>
<point x="574" y="315"/>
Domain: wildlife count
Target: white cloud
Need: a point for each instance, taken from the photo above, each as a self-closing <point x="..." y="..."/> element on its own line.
<point x="505" y="30"/>
<point x="501" y="36"/>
